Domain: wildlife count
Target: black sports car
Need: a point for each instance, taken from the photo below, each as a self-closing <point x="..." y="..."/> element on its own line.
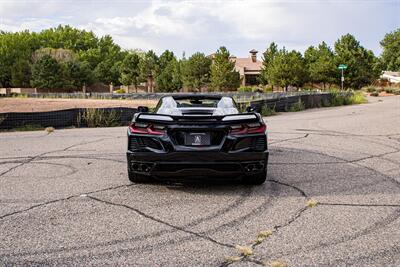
<point x="197" y="136"/>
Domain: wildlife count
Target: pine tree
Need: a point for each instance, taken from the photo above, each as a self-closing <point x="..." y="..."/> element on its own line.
<point x="223" y="74"/>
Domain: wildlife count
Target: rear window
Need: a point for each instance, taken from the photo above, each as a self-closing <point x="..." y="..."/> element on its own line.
<point x="203" y="103"/>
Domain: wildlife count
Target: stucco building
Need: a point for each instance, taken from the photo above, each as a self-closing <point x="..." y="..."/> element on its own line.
<point x="249" y="68"/>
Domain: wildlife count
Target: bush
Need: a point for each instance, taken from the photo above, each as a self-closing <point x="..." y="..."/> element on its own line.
<point x="392" y="90"/>
<point x="267" y="111"/>
<point x="370" y="89"/>
<point x="340" y="98"/>
<point x="357" y="98"/>
<point x="120" y="91"/>
<point x="245" y="89"/>
<point x="298" y="106"/>
<point x="100" y="118"/>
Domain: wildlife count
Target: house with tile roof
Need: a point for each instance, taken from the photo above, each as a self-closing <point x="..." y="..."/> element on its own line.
<point x="249" y="68"/>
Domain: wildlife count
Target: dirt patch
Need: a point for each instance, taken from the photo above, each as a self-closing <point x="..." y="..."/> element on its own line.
<point x="43" y="104"/>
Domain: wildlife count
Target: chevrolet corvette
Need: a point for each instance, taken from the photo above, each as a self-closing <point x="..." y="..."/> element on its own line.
<point x="196" y="136"/>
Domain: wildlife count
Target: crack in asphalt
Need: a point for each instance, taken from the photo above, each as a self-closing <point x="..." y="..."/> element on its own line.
<point x="289" y="139"/>
<point x="340" y="161"/>
<point x="205" y="237"/>
<point x="253" y="259"/>
<point x="276" y="228"/>
<point x="262" y="207"/>
<point x="357" y="204"/>
<point x="62" y="199"/>
<point x="31" y="158"/>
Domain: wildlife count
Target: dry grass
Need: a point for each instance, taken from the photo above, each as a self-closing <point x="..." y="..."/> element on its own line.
<point x="244" y="250"/>
<point x="232" y="259"/>
<point x="262" y="236"/>
<point x="49" y="130"/>
<point x="311" y="203"/>
<point x="275" y="264"/>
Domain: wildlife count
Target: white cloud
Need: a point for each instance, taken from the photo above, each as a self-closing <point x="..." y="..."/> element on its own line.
<point x="204" y="26"/>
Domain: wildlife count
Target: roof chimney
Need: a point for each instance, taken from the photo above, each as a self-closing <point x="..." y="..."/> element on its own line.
<point x="253" y="54"/>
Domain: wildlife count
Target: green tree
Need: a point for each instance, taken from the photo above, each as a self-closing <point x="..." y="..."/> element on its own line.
<point x="107" y="72"/>
<point x="21" y="73"/>
<point x="149" y="69"/>
<point x="321" y="65"/>
<point x="196" y="71"/>
<point x="168" y="77"/>
<point x="76" y="74"/>
<point x="46" y="73"/>
<point x="360" y="62"/>
<point x="130" y="71"/>
<point x="15" y="47"/>
<point x="267" y="59"/>
<point x="287" y="69"/>
<point x="390" y="58"/>
<point x="223" y="73"/>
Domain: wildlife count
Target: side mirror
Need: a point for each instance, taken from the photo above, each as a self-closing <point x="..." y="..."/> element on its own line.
<point x="250" y="109"/>
<point x="143" y="109"/>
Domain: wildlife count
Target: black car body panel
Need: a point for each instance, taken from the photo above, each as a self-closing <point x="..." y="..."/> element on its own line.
<point x="197" y="143"/>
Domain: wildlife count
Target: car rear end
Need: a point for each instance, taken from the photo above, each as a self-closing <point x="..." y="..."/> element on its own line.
<point x="197" y="146"/>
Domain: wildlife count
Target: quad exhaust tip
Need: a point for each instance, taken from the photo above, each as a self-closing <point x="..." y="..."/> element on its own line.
<point x="253" y="166"/>
<point x="141" y="167"/>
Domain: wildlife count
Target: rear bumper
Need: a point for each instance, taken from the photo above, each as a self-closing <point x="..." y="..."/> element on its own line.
<point x="197" y="164"/>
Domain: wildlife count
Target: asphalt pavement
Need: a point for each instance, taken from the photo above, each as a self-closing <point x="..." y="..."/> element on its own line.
<point x="332" y="198"/>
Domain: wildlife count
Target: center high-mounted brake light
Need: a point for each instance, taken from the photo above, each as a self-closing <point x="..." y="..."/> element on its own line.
<point x="144" y="128"/>
<point x="251" y="128"/>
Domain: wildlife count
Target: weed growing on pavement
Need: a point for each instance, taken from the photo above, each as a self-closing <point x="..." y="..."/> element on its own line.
<point x="275" y="264"/>
<point x="311" y="203"/>
<point x="262" y="236"/>
<point x="232" y="259"/>
<point x="49" y="129"/>
<point x="244" y="250"/>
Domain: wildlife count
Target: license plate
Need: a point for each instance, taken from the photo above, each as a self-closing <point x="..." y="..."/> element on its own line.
<point x="197" y="139"/>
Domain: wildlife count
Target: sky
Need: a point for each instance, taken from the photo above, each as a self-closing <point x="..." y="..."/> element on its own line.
<point x="191" y="26"/>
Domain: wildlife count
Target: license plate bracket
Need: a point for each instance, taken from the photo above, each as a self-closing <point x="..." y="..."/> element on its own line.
<point x="197" y="139"/>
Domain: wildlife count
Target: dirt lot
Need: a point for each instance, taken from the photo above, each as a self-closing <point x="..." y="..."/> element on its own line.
<point x="40" y="104"/>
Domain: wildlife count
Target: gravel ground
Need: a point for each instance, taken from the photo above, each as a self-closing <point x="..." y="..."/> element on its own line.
<point x="65" y="199"/>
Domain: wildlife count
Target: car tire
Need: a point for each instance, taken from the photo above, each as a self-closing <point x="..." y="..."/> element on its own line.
<point x="139" y="178"/>
<point x="255" y="179"/>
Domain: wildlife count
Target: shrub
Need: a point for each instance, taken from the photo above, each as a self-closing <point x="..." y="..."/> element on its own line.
<point x="357" y="98"/>
<point x="370" y="89"/>
<point x="337" y="98"/>
<point x="298" y="106"/>
<point x="120" y="91"/>
<point x="245" y="89"/>
<point x="340" y="98"/>
<point x="101" y="118"/>
<point x="267" y="111"/>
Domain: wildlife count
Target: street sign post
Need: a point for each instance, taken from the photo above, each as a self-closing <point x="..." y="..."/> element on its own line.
<point x="342" y="67"/>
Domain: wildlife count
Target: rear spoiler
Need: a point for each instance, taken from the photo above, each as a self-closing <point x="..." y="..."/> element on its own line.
<point x="168" y="119"/>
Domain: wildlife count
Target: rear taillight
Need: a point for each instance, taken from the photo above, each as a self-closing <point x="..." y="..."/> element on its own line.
<point x="144" y="128"/>
<point x="251" y="128"/>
